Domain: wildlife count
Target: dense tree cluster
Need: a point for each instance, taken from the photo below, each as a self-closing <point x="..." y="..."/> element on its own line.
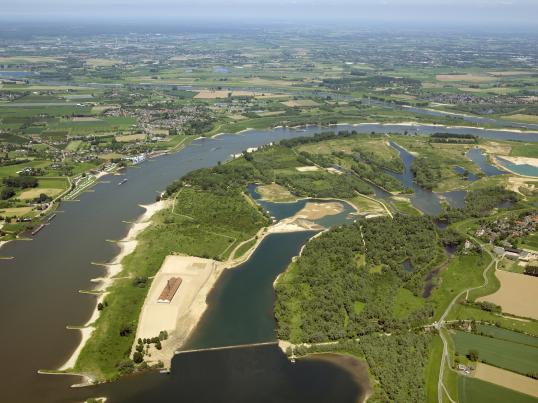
<point x="377" y="176"/>
<point x="398" y="361"/>
<point x="453" y="138"/>
<point x="427" y="172"/>
<point x="342" y="287"/>
<point x="479" y="203"/>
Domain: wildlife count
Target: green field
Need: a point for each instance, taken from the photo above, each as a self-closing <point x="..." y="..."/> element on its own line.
<point x="462" y="272"/>
<point x="503" y="334"/>
<point x="530" y="242"/>
<point x="471" y="390"/>
<point x="520" y="358"/>
<point x="524" y="150"/>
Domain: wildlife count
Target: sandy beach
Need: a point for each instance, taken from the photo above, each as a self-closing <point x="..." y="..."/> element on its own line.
<point x="522" y="160"/>
<point x="127" y="246"/>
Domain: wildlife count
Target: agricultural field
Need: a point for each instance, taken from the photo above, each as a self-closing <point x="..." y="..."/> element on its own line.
<point x="471" y="390"/>
<point x="516" y="357"/>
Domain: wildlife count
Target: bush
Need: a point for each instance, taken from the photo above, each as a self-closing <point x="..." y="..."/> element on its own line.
<point x="138" y="357"/>
<point x="125" y="367"/>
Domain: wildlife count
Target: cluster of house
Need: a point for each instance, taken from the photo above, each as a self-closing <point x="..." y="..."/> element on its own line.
<point x="515" y="254"/>
<point x="465" y="99"/>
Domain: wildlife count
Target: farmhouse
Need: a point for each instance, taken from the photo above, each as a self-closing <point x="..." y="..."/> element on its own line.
<point x="169" y="290"/>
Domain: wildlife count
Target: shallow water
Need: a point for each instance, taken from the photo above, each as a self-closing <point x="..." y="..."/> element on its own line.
<point x="522" y="169"/>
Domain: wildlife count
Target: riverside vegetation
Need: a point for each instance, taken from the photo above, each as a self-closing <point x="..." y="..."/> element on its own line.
<point x="368" y="287"/>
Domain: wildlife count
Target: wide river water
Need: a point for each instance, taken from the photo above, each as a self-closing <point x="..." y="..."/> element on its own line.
<point x="39" y="292"/>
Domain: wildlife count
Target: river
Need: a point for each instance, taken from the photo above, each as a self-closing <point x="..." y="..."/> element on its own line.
<point x="39" y="287"/>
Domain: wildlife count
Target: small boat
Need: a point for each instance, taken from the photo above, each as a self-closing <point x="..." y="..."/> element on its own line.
<point x="52" y="217"/>
<point x="122" y="182"/>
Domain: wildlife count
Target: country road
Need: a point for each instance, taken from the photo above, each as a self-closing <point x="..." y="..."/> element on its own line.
<point x="441" y="323"/>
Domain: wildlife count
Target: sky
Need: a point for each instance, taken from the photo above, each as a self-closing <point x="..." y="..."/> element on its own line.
<point x="479" y="12"/>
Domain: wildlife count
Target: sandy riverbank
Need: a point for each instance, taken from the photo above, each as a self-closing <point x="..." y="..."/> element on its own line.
<point x="127" y="246"/>
<point x="182" y="314"/>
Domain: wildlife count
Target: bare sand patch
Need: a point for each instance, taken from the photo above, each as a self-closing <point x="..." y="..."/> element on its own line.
<point x="517" y="294"/>
<point x="275" y="192"/>
<point x="85" y="119"/>
<point x="102" y="108"/>
<point x="270" y="113"/>
<point x="475" y="78"/>
<point x="315" y="211"/>
<point x="127" y="246"/>
<point x="33" y="193"/>
<point x="294" y="224"/>
<point x="492" y="147"/>
<point x="517" y="184"/>
<point x="237" y="116"/>
<point x="334" y="171"/>
<point x="522" y="160"/>
<point x="293" y="103"/>
<point x="511" y="73"/>
<point x="507" y="379"/>
<point x="99" y="62"/>
<point x="179" y="316"/>
<point x="307" y="168"/>
<point x="130" y="137"/>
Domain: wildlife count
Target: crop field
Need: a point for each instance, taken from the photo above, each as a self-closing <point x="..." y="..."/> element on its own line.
<point x="516" y="294"/>
<point x="504" y="334"/>
<point x="507" y="379"/>
<point x="517" y="357"/>
<point x="473" y="78"/>
<point x="472" y="390"/>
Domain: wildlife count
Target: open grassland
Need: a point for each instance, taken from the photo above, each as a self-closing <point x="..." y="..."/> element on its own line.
<point x="529" y="150"/>
<point x="516" y="294"/>
<point x="462" y="272"/>
<point x="516" y="357"/>
<point x="530" y="242"/>
<point x="406" y="302"/>
<point x="377" y="146"/>
<point x="472" y="390"/>
<point x="367" y="205"/>
<point x="432" y="369"/>
<point x="519" y="117"/>
<point x="404" y="206"/>
<point x="276" y="193"/>
<point x="507" y="379"/>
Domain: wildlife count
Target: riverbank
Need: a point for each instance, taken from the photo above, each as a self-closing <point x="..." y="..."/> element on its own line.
<point x="199" y="276"/>
<point x="533" y="162"/>
<point x="127" y="245"/>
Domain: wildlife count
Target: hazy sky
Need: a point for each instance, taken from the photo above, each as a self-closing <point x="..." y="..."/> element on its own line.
<point x="506" y="12"/>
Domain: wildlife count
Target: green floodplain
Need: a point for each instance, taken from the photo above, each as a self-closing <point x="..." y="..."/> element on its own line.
<point x="386" y="280"/>
<point x="373" y="288"/>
